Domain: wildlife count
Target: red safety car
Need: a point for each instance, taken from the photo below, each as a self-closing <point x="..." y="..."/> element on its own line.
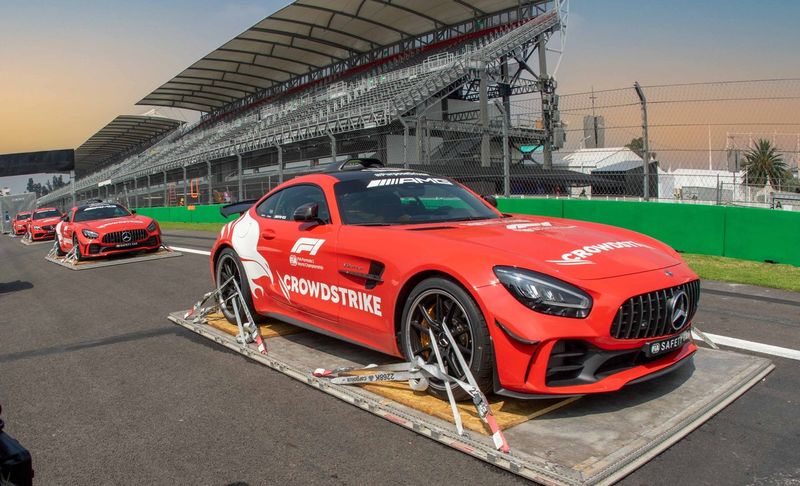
<point x="42" y="225"/>
<point x="102" y="229"/>
<point x="21" y="221"/>
<point x="539" y="306"/>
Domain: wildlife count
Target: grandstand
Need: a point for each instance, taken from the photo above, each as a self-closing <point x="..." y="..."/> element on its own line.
<point x="412" y="83"/>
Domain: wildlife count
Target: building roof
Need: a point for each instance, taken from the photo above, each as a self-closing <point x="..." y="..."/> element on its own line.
<point x="309" y="35"/>
<point x="599" y="158"/>
<point x="123" y="133"/>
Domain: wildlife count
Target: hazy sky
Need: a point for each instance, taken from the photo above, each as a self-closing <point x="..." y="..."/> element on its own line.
<point x="69" y="67"/>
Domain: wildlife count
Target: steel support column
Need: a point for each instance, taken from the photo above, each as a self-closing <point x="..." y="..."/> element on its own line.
<point x="547" y="148"/>
<point x="333" y="147"/>
<point x="72" y="185"/>
<point x="149" y="193"/>
<point x="280" y="164"/>
<point x="135" y="192"/>
<point x="210" y="184"/>
<point x="645" y="141"/>
<point x="166" y="203"/>
<point x="486" y="141"/>
<point x="185" y="188"/>
<point x="240" y="176"/>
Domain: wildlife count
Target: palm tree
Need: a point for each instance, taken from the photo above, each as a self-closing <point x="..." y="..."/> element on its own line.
<point x="763" y="164"/>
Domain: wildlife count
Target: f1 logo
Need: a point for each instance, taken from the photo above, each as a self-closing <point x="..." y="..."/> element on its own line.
<point x="310" y="245"/>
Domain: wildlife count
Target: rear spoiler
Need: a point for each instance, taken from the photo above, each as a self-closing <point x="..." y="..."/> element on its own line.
<point x="236" y="208"/>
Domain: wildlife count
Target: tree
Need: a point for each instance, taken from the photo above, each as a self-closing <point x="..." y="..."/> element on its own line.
<point x="636" y="146"/>
<point x="30" y="187"/>
<point x="763" y="164"/>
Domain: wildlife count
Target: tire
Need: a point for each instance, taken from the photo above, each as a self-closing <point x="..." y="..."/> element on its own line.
<point x="59" y="250"/>
<point x="444" y="300"/>
<point x="77" y="246"/>
<point x="228" y="264"/>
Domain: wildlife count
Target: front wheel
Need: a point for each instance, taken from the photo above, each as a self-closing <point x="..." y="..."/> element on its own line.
<point x="59" y="251"/>
<point x="437" y="301"/>
<point x="77" y="247"/>
<point x="229" y="265"/>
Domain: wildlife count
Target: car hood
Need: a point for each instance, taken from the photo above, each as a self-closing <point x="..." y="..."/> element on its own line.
<point x="577" y="249"/>
<point x="46" y="221"/>
<point x="116" y="224"/>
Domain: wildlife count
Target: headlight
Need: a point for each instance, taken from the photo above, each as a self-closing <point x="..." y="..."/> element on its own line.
<point x="545" y="294"/>
<point x="152" y="226"/>
<point x="37" y="227"/>
<point x="90" y="234"/>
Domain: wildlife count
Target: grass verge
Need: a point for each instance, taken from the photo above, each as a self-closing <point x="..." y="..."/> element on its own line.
<point x="776" y="276"/>
<point x="215" y="227"/>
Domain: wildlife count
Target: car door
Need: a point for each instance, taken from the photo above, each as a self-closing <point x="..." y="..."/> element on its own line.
<point x="302" y="253"/>
<point x="65" y="229"/>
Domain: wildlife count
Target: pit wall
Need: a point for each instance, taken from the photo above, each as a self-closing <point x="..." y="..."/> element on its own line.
<point x="744" y="233"/>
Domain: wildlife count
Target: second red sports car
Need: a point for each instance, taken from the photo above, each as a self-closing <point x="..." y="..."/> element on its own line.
<point x="103" y="229"/>
<point x="538" y="306"/>
<point x="42" y="225"/>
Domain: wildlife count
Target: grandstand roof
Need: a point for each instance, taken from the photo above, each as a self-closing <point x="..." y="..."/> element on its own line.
<point x="120" y="135"/>
<point x="309" y="35"/>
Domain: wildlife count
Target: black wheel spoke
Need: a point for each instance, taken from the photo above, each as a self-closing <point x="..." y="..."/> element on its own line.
<point x="433" y="324"/>
<point x="452" y="365"/>
<point x="465" y="352"/>
<point x="416" y="325"/>
<point x="450" y="313"/>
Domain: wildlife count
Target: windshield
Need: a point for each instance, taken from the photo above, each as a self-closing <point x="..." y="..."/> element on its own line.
<point x="90" y="213"/>
<point x="22" y="216"/>
<point x="401" y="199"/>
<point x="49" y="213"/>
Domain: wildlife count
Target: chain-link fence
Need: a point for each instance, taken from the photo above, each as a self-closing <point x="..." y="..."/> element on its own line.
<point x="703" y="145"/>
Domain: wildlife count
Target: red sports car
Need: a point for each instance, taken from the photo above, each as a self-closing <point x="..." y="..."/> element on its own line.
<point x="42" y="225"/>
<point x="103" y="229"/>
<point x="21" y="221"/>
<point x="539" y="306"/>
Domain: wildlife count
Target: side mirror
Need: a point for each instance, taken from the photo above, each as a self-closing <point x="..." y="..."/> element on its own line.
<point x="307" y="212"/>
<point x="64" y="218"/>
<point x="491" y="200"/>
<point x="133" y="211"/>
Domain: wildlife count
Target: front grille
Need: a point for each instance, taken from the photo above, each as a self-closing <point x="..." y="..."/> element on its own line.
<point x="116" y="237"/>
<point x="647" y="315"/>
<point x="49" y="227"/>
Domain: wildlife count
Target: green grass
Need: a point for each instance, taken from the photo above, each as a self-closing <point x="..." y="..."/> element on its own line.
<point x="168" y="225"/>
<point x="724" y="269"/>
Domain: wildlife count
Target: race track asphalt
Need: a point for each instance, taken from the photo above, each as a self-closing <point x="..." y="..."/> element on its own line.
<point x="104" y="390"/>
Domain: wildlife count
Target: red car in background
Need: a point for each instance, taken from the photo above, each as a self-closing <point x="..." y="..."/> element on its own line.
<point x="21" y="221"/>
<point x="42" y="225"/>
<point x="103" y="229"/>
<point x="538" y="306"/>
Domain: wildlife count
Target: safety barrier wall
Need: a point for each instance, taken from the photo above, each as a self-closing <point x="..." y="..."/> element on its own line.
<point x="189" y="214"/>
<point x="745" y="233"/>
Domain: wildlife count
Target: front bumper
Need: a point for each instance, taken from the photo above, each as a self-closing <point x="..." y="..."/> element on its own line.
<point x="42" y="234"/>
<point x="95" y="248"/>
<point x="20" y="229"/>
<point x="539" y="355"/>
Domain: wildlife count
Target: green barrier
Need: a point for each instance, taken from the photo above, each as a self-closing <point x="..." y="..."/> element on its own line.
<point x="763" y="235"/>
<point x="745" y="233"/>
<point x="180" y="214"/>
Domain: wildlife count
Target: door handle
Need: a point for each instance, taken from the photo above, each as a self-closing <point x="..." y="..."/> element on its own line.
<point x="268" y="234"/>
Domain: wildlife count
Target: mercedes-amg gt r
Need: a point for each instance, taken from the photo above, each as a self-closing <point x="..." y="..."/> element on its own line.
<point x="42" y="225"/>
<point x="21" y="221"/>
<point x="538" y="306"/>
<point x="104" y="229"/>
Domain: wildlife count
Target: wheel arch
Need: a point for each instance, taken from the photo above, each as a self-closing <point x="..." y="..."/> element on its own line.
<point x="409" y="285"/>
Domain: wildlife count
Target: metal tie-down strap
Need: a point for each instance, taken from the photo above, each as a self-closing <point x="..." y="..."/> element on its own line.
<point x="418" y="373"/>
<point x="248" y="330"/>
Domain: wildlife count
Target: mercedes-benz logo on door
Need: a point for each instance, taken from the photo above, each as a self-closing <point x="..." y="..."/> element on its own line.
<point x="679" y="309"/>
<point x="126" y="237"/>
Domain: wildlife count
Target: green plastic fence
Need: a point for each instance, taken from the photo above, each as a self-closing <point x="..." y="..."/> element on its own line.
<point x="180" y="214"/>
<point x="745" y="233"/>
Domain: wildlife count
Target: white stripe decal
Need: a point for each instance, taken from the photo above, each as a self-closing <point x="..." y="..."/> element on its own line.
<point x="753" y="346"/>
<point x="191" y="250"/>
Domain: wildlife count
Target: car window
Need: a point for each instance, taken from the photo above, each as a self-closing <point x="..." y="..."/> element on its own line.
<point x="47" y="213"/>
<point x="100" y="211"/>
<point x="283" y="204"/>
<point x="69" y="214"/>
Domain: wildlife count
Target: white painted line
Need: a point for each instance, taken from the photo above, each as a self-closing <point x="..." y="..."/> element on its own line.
<point x="755" y="347"/>
<point x="191" y="250"/>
